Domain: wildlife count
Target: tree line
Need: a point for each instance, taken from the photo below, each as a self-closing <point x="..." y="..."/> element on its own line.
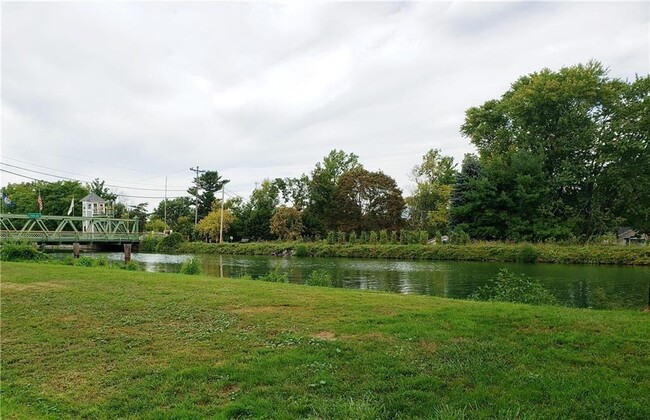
<point x="562" y="155"/>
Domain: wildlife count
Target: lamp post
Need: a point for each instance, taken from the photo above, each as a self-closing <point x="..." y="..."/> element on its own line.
<point x="223" y="191"/>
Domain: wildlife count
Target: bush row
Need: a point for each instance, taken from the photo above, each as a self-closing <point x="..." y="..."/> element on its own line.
<point x="496" y="252"/>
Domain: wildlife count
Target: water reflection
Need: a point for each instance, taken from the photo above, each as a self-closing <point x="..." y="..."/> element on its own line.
<point x="573" y="285"/>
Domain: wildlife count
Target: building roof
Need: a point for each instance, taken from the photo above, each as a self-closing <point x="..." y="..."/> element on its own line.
<point x="92" y="198"/>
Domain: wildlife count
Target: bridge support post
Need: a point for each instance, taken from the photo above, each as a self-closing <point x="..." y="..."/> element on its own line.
<point x="76" y="249"/>
<point x="127" y="253"/>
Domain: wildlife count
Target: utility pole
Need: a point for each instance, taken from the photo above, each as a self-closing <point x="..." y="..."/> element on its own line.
<point x="196" y="201"/>
<point x="223" y="191"/>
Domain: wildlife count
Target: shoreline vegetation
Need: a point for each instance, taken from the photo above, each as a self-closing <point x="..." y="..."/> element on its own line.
<point x="171" y="345"/>
<point x="492" y="252"/>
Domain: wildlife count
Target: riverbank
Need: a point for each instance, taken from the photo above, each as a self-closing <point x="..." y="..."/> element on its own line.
<point x="493" y="252"/>
<point x="95" y="342"/>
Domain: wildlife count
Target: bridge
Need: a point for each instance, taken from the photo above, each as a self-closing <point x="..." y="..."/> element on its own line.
<point x="35" y="227"/>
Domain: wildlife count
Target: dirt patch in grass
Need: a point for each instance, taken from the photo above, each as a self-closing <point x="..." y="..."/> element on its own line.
<point x="324" y="335"/>
<point x="38" y="286"/>
<point x="429" y="347"/>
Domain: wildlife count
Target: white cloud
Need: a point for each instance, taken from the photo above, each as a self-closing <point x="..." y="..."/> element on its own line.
<point x="254" y="90"/>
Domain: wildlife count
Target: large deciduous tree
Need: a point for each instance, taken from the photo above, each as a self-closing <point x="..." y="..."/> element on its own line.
<point x="324" y="181"/>
<point x="286" y="223"/>
<point x="582" y="139"/>
<point x="367" y="201"/>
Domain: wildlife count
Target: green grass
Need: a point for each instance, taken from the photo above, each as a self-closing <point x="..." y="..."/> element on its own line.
<point x="95" y="342"/>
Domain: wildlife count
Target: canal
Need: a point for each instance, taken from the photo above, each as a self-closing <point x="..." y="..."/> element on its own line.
<point x="595" y="286"/>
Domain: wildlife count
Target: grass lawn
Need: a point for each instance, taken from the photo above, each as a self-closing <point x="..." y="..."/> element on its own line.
<point x="95" y="342"/>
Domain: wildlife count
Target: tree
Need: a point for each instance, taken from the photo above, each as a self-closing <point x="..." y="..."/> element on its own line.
<point x="286" y="223"/>
<point x="588" y="134"/>
<point x="176" y="209"/>
<point x="210" y="183"/>
<point x="97" y="187"/>
<point x="323" y="186"/>
<point x="56" y="196"/>
<point x="367" y="201"/>
<point x="429" y="204"/>
<point x="210" y="225"/>
<point x="156" y="225"/>
<point x="253" y="219"/>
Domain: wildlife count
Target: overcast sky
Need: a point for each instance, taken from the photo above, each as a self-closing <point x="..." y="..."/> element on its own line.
<point x="131" y="92"/>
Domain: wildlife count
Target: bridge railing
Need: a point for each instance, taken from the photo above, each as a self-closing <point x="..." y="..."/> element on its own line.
<point x="35" y="227"/>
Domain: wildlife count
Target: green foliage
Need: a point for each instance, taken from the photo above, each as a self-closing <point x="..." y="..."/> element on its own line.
<point x="191" y="267"/>
<point x="363" y="239"/>
<point x="459" y="237"/>
<point x="275" y="276"/>
<point x="486" y="251"/>
<point x="286" y="223"/>
<point x="403" y="237"/>
<point x="149" y="243"/>
<point x="509" y="287"/>
<point x="84" y="261"/>
<point x="101" y="261"/>
<point x="562" y="154"/>
<point x="528" y="254"/>
<point x="424" y="237"/>
<point x="352" y="240"/>
<point x="367" y="200"/>
<point x="132" y="265"/>
<point x="319" y="278"/>
<point x="56" y="197"/>
<point x="340" y="236"/>
<point x="301" y="250"/>
<point x="204" y="190"/>
<point x="393" y="238"/>
<point x="373" y="238"/>
<point x="20" y="251"/>
<point x="331" y="237"/>
<point x="383" y="237"/>
<point x="170" y="242"/>
<point x="156" y="225"/>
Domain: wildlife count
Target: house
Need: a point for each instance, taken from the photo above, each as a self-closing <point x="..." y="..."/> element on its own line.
<point x="92" y="205"/>
<point x="627" y="236"/>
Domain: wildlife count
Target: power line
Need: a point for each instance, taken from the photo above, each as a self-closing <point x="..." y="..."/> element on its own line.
<point x="80" y="180"/>
<point x="75" y="173"/>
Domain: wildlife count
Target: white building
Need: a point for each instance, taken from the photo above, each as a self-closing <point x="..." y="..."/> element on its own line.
<point x="92" y="205"/>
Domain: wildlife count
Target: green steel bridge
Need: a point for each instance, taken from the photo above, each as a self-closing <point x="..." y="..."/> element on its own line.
<point x="35" y="227"/>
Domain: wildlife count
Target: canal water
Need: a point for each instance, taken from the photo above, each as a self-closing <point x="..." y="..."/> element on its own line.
<point x="594" y="286"/>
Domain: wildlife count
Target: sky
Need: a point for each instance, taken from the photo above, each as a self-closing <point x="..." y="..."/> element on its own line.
<point x="137" y="93"/>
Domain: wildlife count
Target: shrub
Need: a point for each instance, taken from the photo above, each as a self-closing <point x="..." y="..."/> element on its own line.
<point x="319" y="278"/>
<point x="84" y="261"/>
<point x="364" y="237"/>
<point x="373" y="238"/>
<point x="509" y="287"/>
<point x="101" y="261"/>
<point x="403" y="239"/>
<point x="459" y="237"/>
<point x="191" y="267"/>
<point x="275" y="276"/>
<point x="170" y="242"/>
<point x="149" y="243"/>
<point x="132" y="266"/>
<point x="341" y="237"/>
<point x="353" y="238"/>
<point x="20" y="251"/>
<point x="423" y="237"/>
<point x="528" y="254"/>
<point x="383" y="237"/>
<point x="393" y="238"/>
<point x="301" y="250"/>
<point x="331" y="237"/>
